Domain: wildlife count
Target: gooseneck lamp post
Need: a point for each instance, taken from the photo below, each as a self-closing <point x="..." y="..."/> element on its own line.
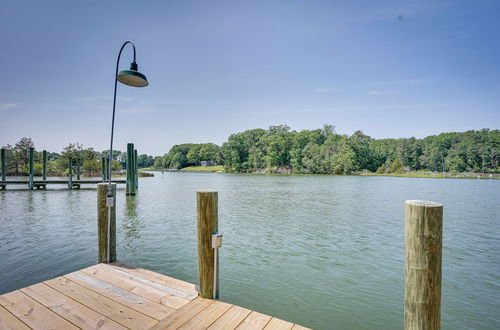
<point x="132" y="78"/>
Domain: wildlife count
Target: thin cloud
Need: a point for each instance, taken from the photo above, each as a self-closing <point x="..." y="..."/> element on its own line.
<point x="7" y="106"/>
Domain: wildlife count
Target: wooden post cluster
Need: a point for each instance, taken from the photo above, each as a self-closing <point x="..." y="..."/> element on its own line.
<point x="4" y="166"/>
<point x="44" y="165"/>
<point x="423" y="241"/>
<point x="102" y="224"/>
<point x="131" y="181"/>
<point x="207" y="224"/>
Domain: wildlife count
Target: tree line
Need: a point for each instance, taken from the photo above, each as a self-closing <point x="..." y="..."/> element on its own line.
<point x="57" y="163"/>
<point x="323" y="151"/>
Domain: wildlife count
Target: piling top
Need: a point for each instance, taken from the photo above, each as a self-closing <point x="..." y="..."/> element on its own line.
<point x="106" y="183"/>
<point x="207" y="191"/>
<point x="423" y="203"/>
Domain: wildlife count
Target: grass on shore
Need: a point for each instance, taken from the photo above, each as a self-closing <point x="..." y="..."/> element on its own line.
<point x="216" y="168"/>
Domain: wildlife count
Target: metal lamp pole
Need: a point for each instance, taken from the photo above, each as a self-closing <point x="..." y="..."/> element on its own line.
<point x="133" y="78"/>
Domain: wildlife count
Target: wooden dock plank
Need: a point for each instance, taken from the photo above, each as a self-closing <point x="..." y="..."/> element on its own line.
<point x="10" y="322"/>
<point x="207" y="316"/>
<point x="255" y="321"/>
<point x="231" y="318"/>
<point x="32" y="313"/>
<point x="124" y="297"/>
<point x="119" y="313"/>
<point x="184" y="314"/>
<point x="161" y="293"/>
<point x="71" y="310"/>
<point x="299" y="327"/>
<point x="277" y="324"/>
<point x="159" y="278"/>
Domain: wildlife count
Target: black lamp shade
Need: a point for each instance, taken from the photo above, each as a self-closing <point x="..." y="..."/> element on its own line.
<point x="132" y="77"/>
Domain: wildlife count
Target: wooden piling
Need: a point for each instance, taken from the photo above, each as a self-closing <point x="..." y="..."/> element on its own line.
<point x="70" y="173"/>
<point x="108" y="175"/>
<point x="102" y="224"/>
<point x="4" y="166"/>
<point x="136" y="170"/>
<point x="31" y="168"/>
<point x="78" y="168"/>
<point x="130" y="170"/>
<point x="423" y="240"/>
<point x="103" y="169"/>
<point x="207" y="214"/>
<point x="44" y="165"/>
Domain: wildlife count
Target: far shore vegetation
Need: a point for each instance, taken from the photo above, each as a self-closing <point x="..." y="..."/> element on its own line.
<point x="323" y="151"/>
<point x="280" y="150"/>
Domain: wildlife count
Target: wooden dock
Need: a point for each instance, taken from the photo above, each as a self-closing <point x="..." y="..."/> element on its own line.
<point x="119" y="296"/>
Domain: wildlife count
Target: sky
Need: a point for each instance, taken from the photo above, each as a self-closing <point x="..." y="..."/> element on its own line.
<point x="388" y="68"/>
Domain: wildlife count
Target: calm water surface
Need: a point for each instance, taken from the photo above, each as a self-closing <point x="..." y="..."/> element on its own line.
<point x="323" y="251"/>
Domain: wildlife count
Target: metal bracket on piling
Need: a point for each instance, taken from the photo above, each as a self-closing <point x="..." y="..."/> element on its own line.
<point x="216" y="244"/>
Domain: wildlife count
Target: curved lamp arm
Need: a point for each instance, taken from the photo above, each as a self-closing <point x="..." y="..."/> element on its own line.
<point x="110" y="191"/>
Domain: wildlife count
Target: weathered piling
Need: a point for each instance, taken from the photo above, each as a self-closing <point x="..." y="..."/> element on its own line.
<point x="108" y="174"/>
<point x="44" y="165"/>
<point x="70" y="173"/>
<point x="103" y="169"/>
<point x="31" y="168"/>
<point x="4" y="166"/>
<point x="136" y="170"/>
<point x="78" y="168"/>
<point x="102" y="224"/>
<point x="130" y="170"/>
<point x="208" y="222"/>
<point x="423" y="240"/>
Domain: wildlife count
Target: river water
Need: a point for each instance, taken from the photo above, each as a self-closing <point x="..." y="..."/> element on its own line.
<point x="326" y="252"/>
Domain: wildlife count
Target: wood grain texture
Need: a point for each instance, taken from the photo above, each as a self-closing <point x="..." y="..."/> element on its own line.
<point x="124" y="297"/>
<point x="207" y="213"/>
<point x="206" y="317"/>
<point x="423" y="241"/>
<point x="186" y="287"/>
<point x="32" y="313"/>
<point x="78" y="314"/>
<point x="110" y="308"/>
<point x="10" y="322"/>
<point x="277" y="324"/>
<point x="254" y="321"/>
<point x="184" y="314"/>
<point x="102" y="224"/>
<point x="231" y="318"/>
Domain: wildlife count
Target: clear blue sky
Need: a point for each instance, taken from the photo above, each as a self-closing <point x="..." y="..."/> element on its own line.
<point x="388" y="68"/>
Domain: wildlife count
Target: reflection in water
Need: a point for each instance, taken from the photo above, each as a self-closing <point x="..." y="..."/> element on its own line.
<point x="131" y="225"/>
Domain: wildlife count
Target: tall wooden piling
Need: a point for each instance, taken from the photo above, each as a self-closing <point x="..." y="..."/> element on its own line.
<point x="136" y="170"/>
<point x="102" y="224"/>
<point x="78" y="168"/>
<point x="208" y="224"/>
<point x="3" y="157"/>
<point x="44" y="165"/>
<point x="423" y="240"/>
<point x="70" y="173"/>
<point x="31" y="168"/>
<point x="130" y="170"/>
<point x="103" y="169"/>
<point x="108" y="175"/>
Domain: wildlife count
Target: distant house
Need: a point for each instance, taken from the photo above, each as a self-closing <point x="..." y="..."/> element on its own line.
<point x="208" y="163"/>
